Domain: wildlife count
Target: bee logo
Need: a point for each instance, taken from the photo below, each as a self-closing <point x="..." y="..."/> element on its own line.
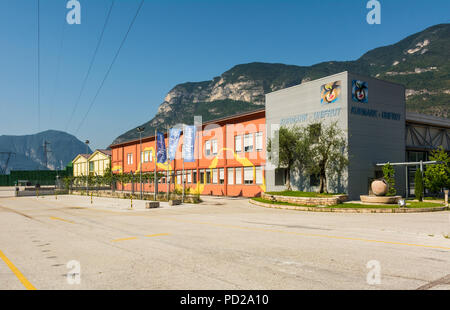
<point x="330" y="92"/>
<point x="360" y="91"/>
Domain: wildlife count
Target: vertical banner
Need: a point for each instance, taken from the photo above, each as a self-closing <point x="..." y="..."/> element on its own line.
<point x="174" y="138"/>
<point x="188" y="143"/>
<point x="161" y="153"/>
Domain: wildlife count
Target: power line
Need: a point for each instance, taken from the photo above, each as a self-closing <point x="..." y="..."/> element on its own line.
<point x="110" y="67"/>
<point x="90" y="66"/>
<point x="58" y="67"/>
<point x="38" y="65"/>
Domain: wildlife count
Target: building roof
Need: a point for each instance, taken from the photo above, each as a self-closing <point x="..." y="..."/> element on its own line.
<point x="228" y="119"/>
<point x="106" y="152"/>
<point x="424" y="119"/>
<point x="85" y="156"/>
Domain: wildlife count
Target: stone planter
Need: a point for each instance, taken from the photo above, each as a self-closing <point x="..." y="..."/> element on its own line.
<point x="174" y="202"/>
<point x="380" y="199"/>
<point x="307" y="201"/>
<point x="152" y="205"/>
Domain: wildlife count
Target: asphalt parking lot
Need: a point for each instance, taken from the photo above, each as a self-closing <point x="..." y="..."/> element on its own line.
<point x="222" y="243"/>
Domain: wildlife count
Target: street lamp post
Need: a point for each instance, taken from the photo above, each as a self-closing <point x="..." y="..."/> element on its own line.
<point x="140" y="130"/>
<point x="87" y="166"/>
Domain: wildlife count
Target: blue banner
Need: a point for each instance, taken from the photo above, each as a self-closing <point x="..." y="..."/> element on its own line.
<point x="174" y="138"/>
<point x="161" y="153"/>
<point x="189" y="143"/>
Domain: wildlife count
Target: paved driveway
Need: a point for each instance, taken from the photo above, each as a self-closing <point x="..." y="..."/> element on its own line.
<point x="222" y="243"/>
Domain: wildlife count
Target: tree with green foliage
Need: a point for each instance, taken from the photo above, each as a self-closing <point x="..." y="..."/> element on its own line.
<point x="389" y="177"/>
<point x="324" y="149"/>
<point x="317" y="149"/>
<point x="437" y="177"/>
<point x="418" y="185"/>
<point x="288" y="150"/>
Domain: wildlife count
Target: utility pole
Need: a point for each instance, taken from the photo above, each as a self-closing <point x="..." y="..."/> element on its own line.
<point x="9" y="154"/>
<point x="140" y="130"/>
<point x="46" y="151"/>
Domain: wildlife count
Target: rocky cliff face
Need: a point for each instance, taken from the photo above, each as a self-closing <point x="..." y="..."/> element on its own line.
<point x="28" y="151"/>
<point x="420" y="62"/>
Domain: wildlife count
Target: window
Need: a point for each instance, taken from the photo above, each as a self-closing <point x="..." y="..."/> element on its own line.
<point x="259" y="141"/>
<point x="202" y="176"/>
<point x="178" y="177"/>
<point x="194" y="176"/>
<point x="230" y="176"/>
<point x="214" y="146"/>
<point x="208" y="148"/>
<point x="238" y="175"/>
<point x="258" y="175"/>
<point x="280" y="176"/>
<point x="184" y="177"/>
<point x="189" y="176"/>
<point x="248" y="142"/>
<point x="238" y="144"/>
<point x="142" y="157"/>
<point x="91" y="166"/>
<point x="314" y="180"/>
<point x="221" y="176"/>
<point x="208" y="176"/>
<point x="214" y="171"/>
<point x="151" y="155"/>
<point x="147" y="156"/>
<point x="130" y="159"/>
<point x="248" y="175"/>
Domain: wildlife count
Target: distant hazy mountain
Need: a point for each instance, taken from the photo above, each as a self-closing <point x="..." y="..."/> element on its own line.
<point x="29" y="150"/>
<point x="420" y="62"/>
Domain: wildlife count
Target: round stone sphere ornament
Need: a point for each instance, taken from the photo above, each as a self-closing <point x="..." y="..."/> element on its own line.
<point x="379" y="187"/>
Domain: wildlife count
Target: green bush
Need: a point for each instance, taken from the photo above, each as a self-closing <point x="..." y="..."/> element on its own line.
<point x="418" y="187"/>
<point x="389" y="177"/>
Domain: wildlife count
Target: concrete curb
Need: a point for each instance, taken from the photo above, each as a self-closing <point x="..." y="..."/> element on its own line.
<point x="347" y="210"/>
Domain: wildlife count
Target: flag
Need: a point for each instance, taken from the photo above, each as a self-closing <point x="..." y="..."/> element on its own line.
<point x="189" y="143"/>
<point x="161" y="148"/>
<point x="174" y="138"/>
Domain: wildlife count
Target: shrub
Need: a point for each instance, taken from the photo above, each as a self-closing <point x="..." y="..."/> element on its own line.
<point x="418" y="187"/>
<point x="388" y="175"/>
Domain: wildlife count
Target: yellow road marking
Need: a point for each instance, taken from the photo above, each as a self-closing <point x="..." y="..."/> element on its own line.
<point x="157" y="235"/>
<point x="60" y="219"/>
<point x="16" y="271"/>
<point x="124" y="239"/>
<point x="284" y="232"/>
<point x="134" y="238"/>
<point x="311" y="235"/>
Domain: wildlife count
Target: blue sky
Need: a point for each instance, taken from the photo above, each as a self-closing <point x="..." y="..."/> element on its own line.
<point x="171" y="42"/>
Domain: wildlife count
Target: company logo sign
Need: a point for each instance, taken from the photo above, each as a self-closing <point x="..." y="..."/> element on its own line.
<point x="330" y="93"/>
<point x="360" y="91"/>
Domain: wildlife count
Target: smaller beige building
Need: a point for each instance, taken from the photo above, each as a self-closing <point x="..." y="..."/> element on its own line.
<point x="91" y="164"/>
<point x="80" y="165"/>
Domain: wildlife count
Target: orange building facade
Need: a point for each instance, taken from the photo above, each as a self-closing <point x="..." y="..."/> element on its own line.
<point x="230" y="156"/>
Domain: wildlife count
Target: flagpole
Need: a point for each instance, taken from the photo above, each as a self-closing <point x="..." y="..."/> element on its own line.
<point x="155" y="180"/>
<point x="182" y="160"/>
<point x="168" y="163"/>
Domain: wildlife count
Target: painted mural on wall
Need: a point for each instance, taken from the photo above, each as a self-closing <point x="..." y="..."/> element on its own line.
<point x="360" y="91"/>
<point x="330" y="93"/>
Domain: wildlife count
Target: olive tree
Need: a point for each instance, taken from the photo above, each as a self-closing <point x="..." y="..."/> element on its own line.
<point x="288" y="149"/>
<point x="324" y="152"/>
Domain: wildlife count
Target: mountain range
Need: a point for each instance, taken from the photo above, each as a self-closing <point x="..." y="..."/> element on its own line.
<point x="28" y="151"/>
<point x="420" y="62"/>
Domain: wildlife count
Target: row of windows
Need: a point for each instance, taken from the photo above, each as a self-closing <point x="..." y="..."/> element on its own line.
<point x="240" y="175"/>
<point x="248" y="142"/>
<point x="211" y="147"/>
